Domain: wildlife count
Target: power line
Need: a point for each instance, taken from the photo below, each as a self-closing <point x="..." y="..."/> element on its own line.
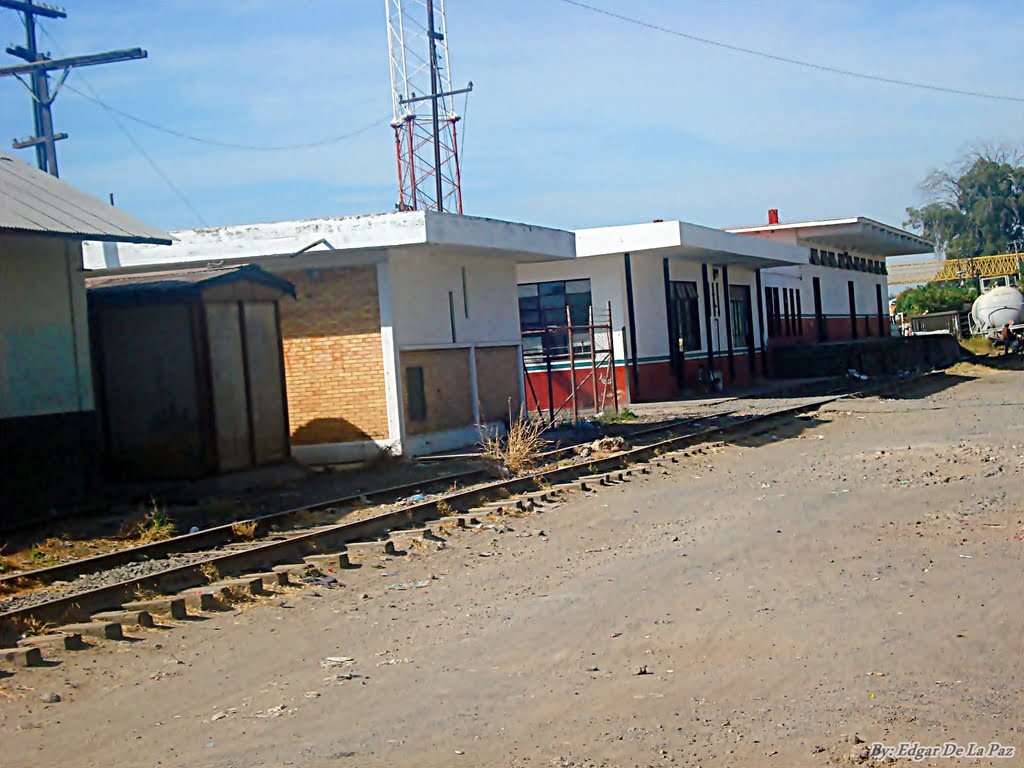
<point x="229" y="144"/>
<point x="794" y="62"/>
<point x="146" y="156"/>
<point x="134" y="142"/>
<point x="94" y="98"/>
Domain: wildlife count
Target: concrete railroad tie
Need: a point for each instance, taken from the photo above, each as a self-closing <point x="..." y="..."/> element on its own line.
<point x="21" y="657"/>
<point x="129" y="618"/>
<point x="105" y="630"/>
<point x="172" y="607"/>
<point x="271" y="579"/>
<point x="425" y="533"/>
<point x="507" y="504"/>
<point x="362" y="549"/>
<point x="459" y="521"/>
<point x="335" y="560"/>
<point x="205" y="598"/>
<point x="247" y="585"/>
<point x="63" y="641"/>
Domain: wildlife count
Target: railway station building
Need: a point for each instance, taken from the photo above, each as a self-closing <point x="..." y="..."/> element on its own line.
<point x="841" y="293"/>
<point x="404" y="333"/>
<point x="684" y="303"/>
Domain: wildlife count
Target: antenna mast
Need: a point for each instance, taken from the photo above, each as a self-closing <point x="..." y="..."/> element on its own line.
<point x="424" y="117"/>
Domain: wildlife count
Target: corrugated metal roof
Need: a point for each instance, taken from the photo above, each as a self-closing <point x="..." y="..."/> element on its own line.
<point x="36" y="203"/>
<point x="184" y="281"/>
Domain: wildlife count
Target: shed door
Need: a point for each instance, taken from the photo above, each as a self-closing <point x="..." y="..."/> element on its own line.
<point x="266" y="382"/>
<point x="227" y="373"/>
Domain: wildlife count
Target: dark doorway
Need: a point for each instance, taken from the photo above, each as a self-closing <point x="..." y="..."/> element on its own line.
<point x="881" y="312"/>
<point x="853" y="309"/>
<point x="819" y="315"/>
<point x="684" y="324"/>
<point x="742" y="321"/>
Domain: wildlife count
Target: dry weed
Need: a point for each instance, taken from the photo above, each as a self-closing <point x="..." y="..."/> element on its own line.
<point x="445" y="508"/>
<point x="140" y="594"/>
<point x="31" y="626"/>
<point x="210" y="572"/>
<point x="245" y="529"/>
<point x="519" y="448"/>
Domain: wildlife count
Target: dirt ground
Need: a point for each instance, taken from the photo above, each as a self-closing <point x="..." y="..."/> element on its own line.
<point x="858" y="572"/>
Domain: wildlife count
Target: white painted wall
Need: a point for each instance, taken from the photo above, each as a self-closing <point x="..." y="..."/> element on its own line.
<point x="44" y="334"/>
<point x="834" y="289"/>
<point x="420" y="282"/>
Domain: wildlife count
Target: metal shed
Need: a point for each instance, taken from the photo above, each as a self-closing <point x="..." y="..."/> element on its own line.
<point x="188" y="371"/>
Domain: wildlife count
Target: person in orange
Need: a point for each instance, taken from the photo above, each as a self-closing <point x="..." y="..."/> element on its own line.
<point x="1007" y="336"/>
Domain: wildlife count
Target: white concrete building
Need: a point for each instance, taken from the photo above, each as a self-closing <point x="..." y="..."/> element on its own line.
<point x="684" y="301"/>
<point x="49" y="434"/>
<point x="405" y="333"/>
<point x="841" y="293"/>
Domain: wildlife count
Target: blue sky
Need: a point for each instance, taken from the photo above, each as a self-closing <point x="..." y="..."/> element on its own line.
<point x="577" y="120"/>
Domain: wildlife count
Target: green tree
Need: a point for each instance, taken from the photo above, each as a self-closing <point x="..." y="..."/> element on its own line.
<point x="935" y="297"/>
<point x="976" y="209"/>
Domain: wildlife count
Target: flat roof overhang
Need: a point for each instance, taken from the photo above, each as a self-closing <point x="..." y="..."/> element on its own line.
<point x="692" y="242"/>
<point x="349" y="241"/>
<point x="857" y="234"/>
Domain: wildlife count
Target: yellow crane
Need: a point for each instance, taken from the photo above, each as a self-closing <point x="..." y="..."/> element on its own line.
<point x="949" y="270"/>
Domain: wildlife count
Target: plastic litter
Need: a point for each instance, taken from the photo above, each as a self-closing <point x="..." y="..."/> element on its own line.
<point x="410" y="585"/>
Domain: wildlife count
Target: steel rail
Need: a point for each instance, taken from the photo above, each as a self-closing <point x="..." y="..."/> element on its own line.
<point x="262" y="556"/>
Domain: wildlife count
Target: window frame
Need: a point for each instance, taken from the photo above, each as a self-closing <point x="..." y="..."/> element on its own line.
<point x="548" y="323"/>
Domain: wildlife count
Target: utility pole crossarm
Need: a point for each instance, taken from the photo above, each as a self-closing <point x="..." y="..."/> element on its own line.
<point x="90" y="59"/>
<point x="37" y="66"/>
<point x="39" y="9"/>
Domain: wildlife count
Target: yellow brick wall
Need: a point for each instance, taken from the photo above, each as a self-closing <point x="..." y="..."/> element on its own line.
<point x="446" y="386"/>
<point x="497" y="372"/>
<point x="334" y="367"/>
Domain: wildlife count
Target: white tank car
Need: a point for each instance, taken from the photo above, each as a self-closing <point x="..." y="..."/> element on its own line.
<point x="996" y="307"/>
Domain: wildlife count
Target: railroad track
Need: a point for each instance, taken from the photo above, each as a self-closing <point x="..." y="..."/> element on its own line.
<point x="271" y="560"/>
<point x="220" y="535"/>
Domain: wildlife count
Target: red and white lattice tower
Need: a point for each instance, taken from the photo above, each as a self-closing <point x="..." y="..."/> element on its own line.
<point x="425" y="121"/>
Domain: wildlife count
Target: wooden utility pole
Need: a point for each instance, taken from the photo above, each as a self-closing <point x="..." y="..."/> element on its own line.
<point x="36" y="67"/>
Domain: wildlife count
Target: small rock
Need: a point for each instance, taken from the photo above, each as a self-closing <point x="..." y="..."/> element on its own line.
<point x="859" y="754"/>
<point x="219" y="715"/>
<point x="51" y="698"/>
<point x="856" y="739"/>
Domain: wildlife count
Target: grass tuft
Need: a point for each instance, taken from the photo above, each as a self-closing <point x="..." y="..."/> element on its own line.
<point x="617" y="417"/>
<point x="154" y="525"/>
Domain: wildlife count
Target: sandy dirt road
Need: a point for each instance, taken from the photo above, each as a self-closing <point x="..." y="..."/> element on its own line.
<point x="858" y="572"/>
